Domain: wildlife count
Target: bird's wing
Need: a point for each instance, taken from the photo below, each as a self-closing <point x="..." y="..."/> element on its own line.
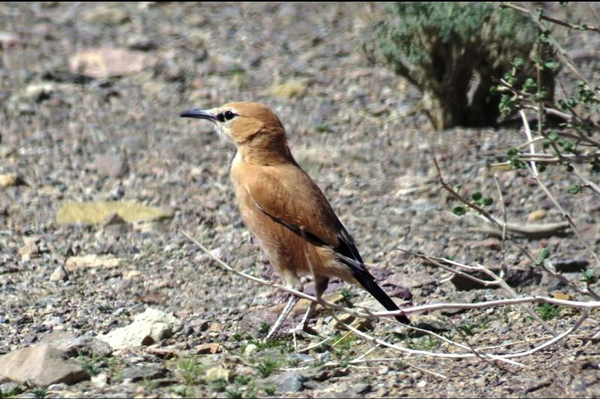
<point x="292" y="199"/>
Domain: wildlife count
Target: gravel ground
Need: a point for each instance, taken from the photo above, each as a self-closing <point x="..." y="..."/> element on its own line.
<point x="357" y="130"/>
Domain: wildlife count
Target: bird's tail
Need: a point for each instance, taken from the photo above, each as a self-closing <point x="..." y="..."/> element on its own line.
<point x="367" y="281"/>
<point x="374" y="289"/>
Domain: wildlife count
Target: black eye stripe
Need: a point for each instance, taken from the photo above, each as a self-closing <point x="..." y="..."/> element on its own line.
<point x="226" y="116"/>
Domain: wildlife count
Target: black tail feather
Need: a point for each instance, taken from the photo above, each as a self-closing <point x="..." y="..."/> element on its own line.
<point x="362" y="275"/>
<point x="374" y="289"/>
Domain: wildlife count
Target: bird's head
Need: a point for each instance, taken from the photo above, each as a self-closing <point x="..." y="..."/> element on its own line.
<point x="245" y="123"/>
<point x="255" y="130"/>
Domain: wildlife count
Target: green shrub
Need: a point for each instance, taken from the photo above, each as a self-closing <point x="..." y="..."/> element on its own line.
<point x="455" y="53"/>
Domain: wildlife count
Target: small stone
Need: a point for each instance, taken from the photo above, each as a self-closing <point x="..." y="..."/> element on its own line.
<point x="250" y="350"/>
<point x="100" y="380"/>
<point x="113" y="225"/>
<point x="490" y="243"/>
<point x="106" y="15"/>
<point x="537" y="215"/>
<point x="358" y="389"/>
<point x="10" y="179"/>
<point x="141" y="43"/>
<point x="215" y="327"/>
<point x="151" y="326"/>
<point x="59" y="274"/>
<point x="163" y="353"/>
<point x="217" y="373"/>
<point x="112" y="220"/>
<point x="91" y="262"/>
<point x="29" y="250"/>
<point x="209" y="348"/>
<point x="146" y="371"/>
<point x="9" y="389"/>
<point x="287" y="382"/>
<point x="131" y="274"/>
<point x="112" y="165"/>
<point x="431" y="323"/>
<point x="35" y="93"/>
<point x="8" y="40"/>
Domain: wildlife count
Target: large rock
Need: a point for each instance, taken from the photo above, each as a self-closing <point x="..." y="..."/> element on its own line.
<point x="106" y="62"/>
<point x="96" y="212"/>
<point x="41" y="365"/>
<point x="289" y="90"/>
<point x="74" y="346"/>
<point x="92" y="261"/>
<point x="147" y="328"/>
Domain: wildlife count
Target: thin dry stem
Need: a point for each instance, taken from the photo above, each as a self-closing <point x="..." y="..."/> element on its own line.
<point x="534" y="172"/>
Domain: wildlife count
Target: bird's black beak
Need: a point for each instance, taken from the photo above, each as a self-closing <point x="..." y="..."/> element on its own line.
<point x="199" y="114"/>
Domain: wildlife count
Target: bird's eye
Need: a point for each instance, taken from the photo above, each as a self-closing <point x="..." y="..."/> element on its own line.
<point x="229" y="115"/>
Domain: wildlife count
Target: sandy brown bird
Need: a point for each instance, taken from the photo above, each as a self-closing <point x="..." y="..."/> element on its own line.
<point x="284" y="209"/>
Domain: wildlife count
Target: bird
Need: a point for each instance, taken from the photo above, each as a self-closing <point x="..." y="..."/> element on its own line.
<point x="284" y="209"/>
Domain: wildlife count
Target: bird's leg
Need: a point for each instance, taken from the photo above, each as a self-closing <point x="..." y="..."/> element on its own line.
<point x="284" y="314"/>
<point x="321" y="283"/>
<point x="292" y="282"/>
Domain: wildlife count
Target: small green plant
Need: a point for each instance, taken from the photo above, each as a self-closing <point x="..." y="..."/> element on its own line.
<point x="267" y="366"/>
<point x="242" y="379"/>
<point x="514" y="160"/>
<point x="542" y="256"/>
<point x="459" y="210"/>
<point x="90" y="365"/>
<point x="149" y="384"/>
<point x="264" y="327"/>
<point x="235" y="393"/>
<point x="40" y="392"/>
<point x="191" y="372"/>
<point x="478" y="199"/>
<point x="588" y="276"/>
<point x="94" y="364"/>
<point x="467" y="329"/>
<point x="238" y="336"/>
<point x="219" y="385"/>
<point x="548" y="311"/>
<point x="269" y="390"/>
<point x="347" y="295"/>
<point x="481" y="200"/>
<point x="283" y="344"/>
<point x="423" y="343"/>
<point x="251" y="390"/>
<point x="322" y="128"/>
<point x="345" y="361"/>
<point x="344" y="343"/>
<point x="183" y="391"/>
<point x="294" y="361"/>
<point x="10" y="393"/>
<point x="399" y="365"/>
<point x="104" y="309"/>
<point x="237" y="70"/>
